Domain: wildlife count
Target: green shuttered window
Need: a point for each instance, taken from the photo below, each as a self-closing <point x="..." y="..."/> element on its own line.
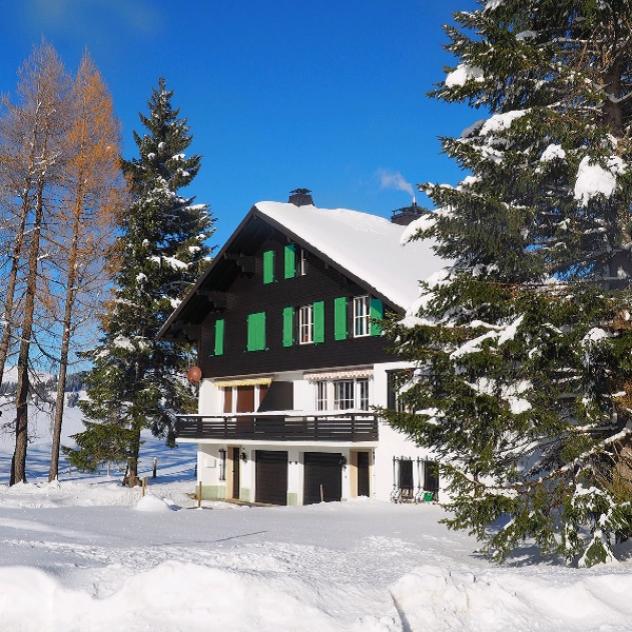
<point x="256" y="332"/>
<point x="268" y="266"/>
<point x="289" y="261"/>
<point x="288" y="326"/>
<point x="340" y="318"/>
<point x="377" y="313"/>
<point x="319" y="321"/>
<point x="219" y="337"/>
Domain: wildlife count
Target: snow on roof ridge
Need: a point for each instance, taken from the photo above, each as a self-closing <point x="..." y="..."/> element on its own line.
<point x="366" y="245"/>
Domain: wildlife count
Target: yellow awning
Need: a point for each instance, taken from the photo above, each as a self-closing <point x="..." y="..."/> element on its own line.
<point x="252" y="381"/>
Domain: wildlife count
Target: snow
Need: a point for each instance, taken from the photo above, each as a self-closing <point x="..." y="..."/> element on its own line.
<point x="122" y="342"/>
<point x="501" y="122"/>
<point x="553" y="152"/>
<point x="365" y="245"/>
<point x="356" y="566"/>
<point x="462" y="74"/>
<point x="153" y="504"/>
<point x="593" y="180"/>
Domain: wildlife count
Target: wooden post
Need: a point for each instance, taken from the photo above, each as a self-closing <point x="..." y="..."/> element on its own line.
<point x="155" y="471"/>
<point x="199" y="494"/>
<point x="144" y="485"/>
<point x="322" y="494"/>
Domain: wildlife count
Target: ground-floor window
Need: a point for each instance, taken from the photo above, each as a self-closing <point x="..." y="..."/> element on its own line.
<point x="415" y="479"/>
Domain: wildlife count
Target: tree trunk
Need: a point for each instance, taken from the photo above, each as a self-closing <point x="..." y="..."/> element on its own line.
<point x="71" y="292"/>
<point x="18" y="471"/>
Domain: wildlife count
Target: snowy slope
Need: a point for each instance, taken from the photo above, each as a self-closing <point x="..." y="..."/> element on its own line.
<point x="358" y="566"/>
<point x="366" y="245"/>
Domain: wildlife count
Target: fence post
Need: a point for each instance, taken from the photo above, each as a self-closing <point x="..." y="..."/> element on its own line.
<point x="199" y="494"/>
<point x="322" y="494"/>
<point x="144" y="485"/>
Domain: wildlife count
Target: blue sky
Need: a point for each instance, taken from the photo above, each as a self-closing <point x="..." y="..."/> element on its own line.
<point x="282" y="94"/>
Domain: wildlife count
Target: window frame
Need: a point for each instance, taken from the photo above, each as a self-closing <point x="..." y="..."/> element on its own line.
<point x="306" y="325"/>
<point x="349" y="396"/>
<point x="322" y="395"/>
<point x="363" y="318"/>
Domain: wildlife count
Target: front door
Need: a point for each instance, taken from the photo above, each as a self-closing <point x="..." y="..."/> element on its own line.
<point x="235" y="456"/>
<point x="363" y="474"/>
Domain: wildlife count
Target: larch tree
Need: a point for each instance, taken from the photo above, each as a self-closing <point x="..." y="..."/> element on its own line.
<point x="92" y="189"/>
<point x="137" y="381"/>
<point x="523" y="346"/>
<point x="43" y="90"/>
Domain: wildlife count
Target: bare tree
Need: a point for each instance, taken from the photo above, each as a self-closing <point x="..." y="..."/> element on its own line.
<point x="44" y="91"/>
<point x="93" y="188"/>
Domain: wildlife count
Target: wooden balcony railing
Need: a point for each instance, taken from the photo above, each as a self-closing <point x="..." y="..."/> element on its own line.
<point x="326" y="427"/>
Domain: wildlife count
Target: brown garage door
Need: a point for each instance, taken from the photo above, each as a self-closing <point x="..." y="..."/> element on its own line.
<point x="271" y="477"/>
<point x="323" y="470"/>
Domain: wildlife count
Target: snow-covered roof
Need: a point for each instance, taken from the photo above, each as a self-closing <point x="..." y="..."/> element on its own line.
<point x="365" y="245"/>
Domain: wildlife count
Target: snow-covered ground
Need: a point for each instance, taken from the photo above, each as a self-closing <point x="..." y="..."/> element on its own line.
<point x="88" y="555"/>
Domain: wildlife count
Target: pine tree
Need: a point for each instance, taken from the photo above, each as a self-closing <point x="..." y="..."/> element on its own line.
<point x="137" y="381"/>
<point x="523" y="345"/>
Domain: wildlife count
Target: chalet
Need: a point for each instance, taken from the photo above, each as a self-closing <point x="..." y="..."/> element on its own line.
<point x="292" y="360"/>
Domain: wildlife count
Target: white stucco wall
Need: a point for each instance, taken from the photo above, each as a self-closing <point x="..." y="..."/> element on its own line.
<point x="391" y="443"/>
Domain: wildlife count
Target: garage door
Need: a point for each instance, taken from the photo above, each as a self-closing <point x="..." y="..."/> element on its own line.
<point x="271" y="477"/>
<point x="322" y="469"/>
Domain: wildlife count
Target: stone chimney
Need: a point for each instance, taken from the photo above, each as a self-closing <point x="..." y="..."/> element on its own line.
<point x="407" y="214"/>
<point x="301" y="197"/>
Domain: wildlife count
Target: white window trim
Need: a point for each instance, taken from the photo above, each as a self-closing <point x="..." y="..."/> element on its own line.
<point x="366" y="317"/>
<point x="309" y="310"/>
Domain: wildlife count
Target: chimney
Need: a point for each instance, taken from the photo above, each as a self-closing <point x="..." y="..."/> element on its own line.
<point x="301" y="197"/>
<point x="407" y="214"/>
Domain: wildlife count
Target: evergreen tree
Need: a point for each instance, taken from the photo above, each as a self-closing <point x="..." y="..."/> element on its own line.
<point x="523" y="344"/>
<point x="137" y="381"/>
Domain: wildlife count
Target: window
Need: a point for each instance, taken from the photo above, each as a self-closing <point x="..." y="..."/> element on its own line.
<point x="347" y="394"/>
<point x="306" y="324"/>
<point x="362" y="394"/>
<point x="256" y="339"/>
<point x="222" y="464"/>
<point x="343" y="395"/>
<point x="361" y="316"/>
<point x="302" y="263"/>
<point x="321" y="395"/>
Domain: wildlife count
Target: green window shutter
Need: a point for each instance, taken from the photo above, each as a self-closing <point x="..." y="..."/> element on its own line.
<point x="268" y="266"/>
<point x="377" y="313"/>
<point x="288" y="326"/>
<point x="219" y="337"/>
<point x="289" y="259"/>
<point x="340" y="318"/>
<point x="256" y="339"/>
<point x="319" y="321"/>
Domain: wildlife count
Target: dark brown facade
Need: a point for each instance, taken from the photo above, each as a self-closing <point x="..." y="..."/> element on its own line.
<point x="235" y="288"/>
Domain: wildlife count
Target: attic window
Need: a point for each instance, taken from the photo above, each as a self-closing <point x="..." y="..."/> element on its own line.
<point x="302" y="263"/>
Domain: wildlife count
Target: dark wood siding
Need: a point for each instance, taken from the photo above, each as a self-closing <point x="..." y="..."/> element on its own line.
<point x="323" y="470"/>
<point x="247" y="294"/>
<point x="271" y="477"/>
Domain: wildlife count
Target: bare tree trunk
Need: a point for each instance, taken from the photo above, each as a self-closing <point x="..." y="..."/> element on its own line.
<point x="18" y="471"/>
<point x="71" y="292"/>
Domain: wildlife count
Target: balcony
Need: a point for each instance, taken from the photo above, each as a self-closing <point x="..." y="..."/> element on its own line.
<point x="344" y="427"/>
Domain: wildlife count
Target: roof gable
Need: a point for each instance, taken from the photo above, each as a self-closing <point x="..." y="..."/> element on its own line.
<point x="366" y="248"/>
